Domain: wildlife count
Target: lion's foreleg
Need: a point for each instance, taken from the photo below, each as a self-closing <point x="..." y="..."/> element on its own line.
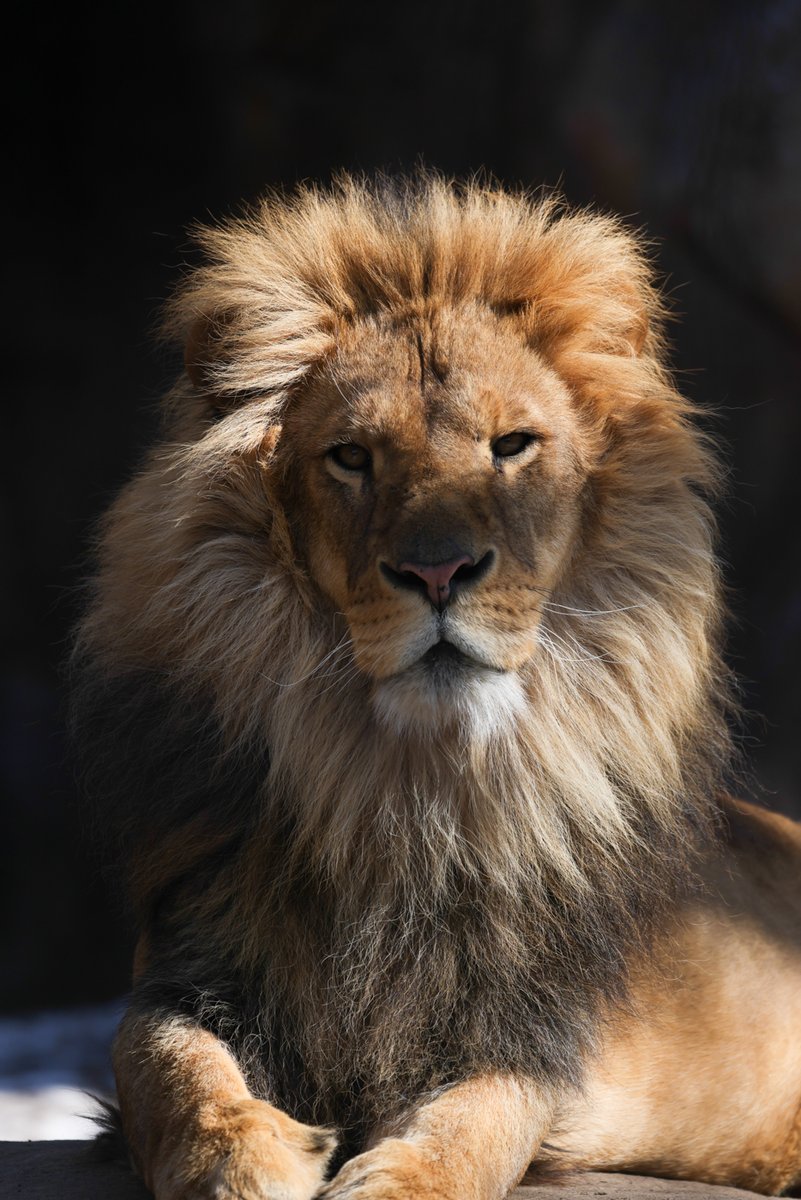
<point x="193" y="1128"/>
<point x="471" y="1142"/>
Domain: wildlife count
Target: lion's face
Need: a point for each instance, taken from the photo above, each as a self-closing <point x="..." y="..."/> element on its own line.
<point x="436" y="482"/>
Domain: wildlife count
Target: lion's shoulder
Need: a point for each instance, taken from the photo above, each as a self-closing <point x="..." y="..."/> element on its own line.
<point x="759" y="832"/>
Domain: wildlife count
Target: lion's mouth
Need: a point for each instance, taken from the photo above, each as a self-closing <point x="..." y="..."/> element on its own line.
<point x="446" y="685"/>
<point x="443" y="658"/>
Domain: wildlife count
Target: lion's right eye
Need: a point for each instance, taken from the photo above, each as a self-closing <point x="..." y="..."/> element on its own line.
<point x="350" y="456"/>
<point x="511" y="444"/>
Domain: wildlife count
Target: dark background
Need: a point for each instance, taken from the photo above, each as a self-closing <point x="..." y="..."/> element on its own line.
<point x="124" y="125"/>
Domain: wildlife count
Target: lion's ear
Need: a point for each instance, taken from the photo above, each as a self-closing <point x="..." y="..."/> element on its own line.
<point x="204" y="344"/>
<point x="636" y="303"/>
<point x="595" y="290"/>
<point x="197" y="354"/>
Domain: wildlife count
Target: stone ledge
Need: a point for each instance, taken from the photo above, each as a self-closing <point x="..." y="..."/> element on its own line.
<point x="66" y="1171"/>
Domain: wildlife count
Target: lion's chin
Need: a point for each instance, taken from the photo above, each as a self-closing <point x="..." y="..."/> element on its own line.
<point x="446" y="689"/>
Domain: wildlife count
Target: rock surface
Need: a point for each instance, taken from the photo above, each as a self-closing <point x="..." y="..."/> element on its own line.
<point x="66" y="1171"/>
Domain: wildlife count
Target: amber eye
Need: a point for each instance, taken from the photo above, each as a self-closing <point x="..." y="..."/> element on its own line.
<point x="350" y="456"/>
<point x="511" y="444"/>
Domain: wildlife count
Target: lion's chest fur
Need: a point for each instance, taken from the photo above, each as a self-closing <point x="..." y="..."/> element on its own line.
<point x="366" y="1009"/>
<point x="360" y="997"/>
<point x="437" y="942"/>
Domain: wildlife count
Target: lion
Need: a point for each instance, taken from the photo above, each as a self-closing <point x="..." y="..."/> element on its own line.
<point x="401" y="711"/>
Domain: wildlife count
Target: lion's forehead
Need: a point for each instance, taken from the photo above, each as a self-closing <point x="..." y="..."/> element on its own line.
<point x="432" y="388"/>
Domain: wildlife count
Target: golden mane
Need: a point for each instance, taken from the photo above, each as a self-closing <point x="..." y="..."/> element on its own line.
<point x="570" y="831"/>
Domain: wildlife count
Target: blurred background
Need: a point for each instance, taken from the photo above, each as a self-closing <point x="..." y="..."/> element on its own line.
<point x="125" y="124"/>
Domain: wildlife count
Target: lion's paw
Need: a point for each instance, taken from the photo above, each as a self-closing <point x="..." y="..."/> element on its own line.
<point x="247" y="1151"/>
<point x="393" y="1170"/>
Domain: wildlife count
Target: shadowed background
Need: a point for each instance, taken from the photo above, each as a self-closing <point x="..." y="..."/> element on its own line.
<point x="127" y="124"/>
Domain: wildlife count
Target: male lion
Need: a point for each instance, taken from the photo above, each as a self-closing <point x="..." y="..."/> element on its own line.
<point x="400" y="703"/>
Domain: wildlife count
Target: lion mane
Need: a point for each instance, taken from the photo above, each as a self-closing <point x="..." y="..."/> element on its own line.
<point x="364" y="908"/>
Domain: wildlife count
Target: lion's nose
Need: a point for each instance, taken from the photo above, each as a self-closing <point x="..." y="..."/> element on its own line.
<point x="437" y="577"/>
<point x="437" y="580"/>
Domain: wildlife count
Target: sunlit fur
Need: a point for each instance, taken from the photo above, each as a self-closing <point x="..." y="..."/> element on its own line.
<point x="485" y="704"/>
<point x="562" y="805"/>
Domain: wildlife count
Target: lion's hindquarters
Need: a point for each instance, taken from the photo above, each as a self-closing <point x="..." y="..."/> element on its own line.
<point x="704" y="1081"/>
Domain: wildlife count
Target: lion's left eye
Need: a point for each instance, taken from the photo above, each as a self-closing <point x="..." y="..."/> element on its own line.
<point x="511" y="444"/>
<point x="350" y="456"/>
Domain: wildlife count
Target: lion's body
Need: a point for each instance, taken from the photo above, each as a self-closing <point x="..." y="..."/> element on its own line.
<point x="706" y="1082"/>
<point x="401" y="703"/>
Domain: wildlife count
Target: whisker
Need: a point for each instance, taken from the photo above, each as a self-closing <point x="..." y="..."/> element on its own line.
<point x="549" y="636"/>
<point x="310" y="674"/>
<point x="594" y="612"/>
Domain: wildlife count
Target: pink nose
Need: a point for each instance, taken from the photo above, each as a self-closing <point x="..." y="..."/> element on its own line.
<point x="437" y="577"/>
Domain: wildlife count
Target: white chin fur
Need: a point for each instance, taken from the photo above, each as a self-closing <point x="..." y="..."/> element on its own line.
<point x="481" y="702"/>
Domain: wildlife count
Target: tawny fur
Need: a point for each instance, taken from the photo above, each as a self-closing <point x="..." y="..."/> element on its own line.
<point x="706" y="1083"/>
<point x="365" y="895"/>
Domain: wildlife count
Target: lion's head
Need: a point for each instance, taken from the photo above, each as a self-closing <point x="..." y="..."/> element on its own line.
<point x="428" y="529"/>
<point x="427" y="478"/>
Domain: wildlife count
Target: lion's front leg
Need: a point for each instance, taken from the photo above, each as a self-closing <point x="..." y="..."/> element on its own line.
<point x="471" y="1142"/>
<point x="193" y="1128"/>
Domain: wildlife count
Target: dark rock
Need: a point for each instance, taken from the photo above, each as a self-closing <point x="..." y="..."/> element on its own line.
<point x="69" y="1171"/>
